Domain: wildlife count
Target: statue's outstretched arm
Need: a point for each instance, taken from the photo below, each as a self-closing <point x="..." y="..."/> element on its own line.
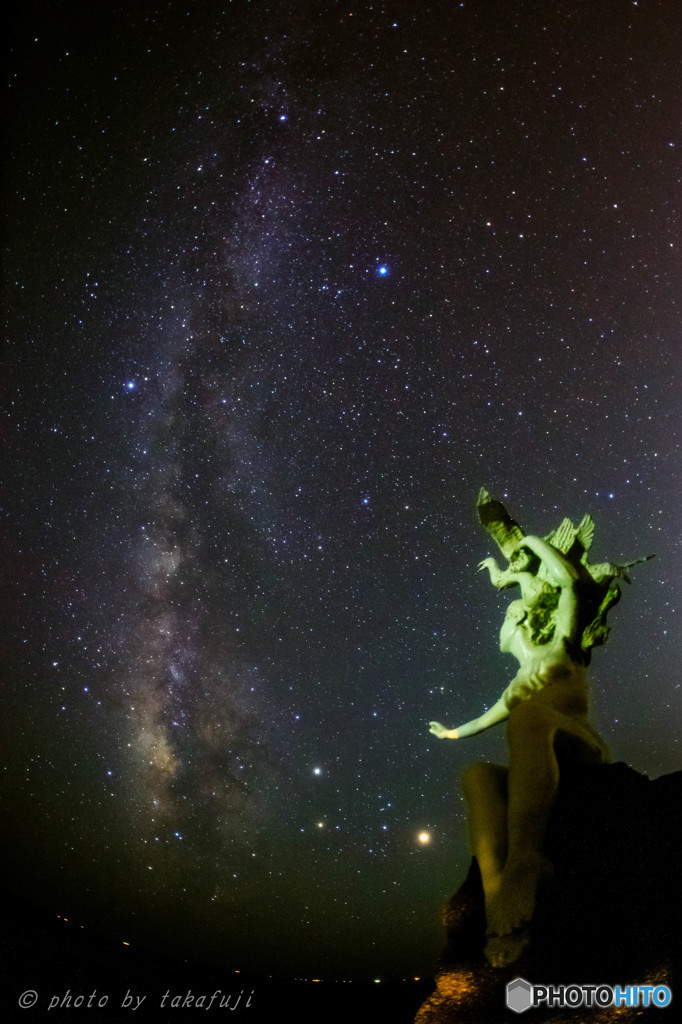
<point x="497" y="713"/>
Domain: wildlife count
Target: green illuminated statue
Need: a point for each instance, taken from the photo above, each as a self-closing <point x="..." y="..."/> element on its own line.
<point x="550" y="630"/>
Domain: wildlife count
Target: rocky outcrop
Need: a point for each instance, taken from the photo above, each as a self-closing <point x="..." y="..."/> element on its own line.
<point x="611" y="914"/>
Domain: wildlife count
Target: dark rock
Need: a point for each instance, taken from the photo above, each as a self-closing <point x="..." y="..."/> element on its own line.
<point x="610" y="915"/>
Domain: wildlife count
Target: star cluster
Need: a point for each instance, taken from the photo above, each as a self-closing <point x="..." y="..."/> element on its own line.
<point x="286" y="284"/>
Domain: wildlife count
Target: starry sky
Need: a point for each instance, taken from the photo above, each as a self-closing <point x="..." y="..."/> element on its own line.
<point x="286" y="283"/>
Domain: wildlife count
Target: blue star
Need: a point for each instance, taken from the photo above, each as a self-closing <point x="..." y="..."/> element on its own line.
<point x="130" y="385"/>
<point x="382" y="271"/>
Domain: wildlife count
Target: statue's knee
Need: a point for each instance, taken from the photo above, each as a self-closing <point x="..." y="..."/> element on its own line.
<point x="479" y="775"/>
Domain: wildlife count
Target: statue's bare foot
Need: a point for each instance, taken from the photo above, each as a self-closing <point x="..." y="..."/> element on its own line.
<point x="502" y="950"/>
<point x="511" y="905"/>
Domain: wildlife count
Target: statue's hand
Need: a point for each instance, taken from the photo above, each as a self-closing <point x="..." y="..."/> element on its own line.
<point x="441" y="732"/>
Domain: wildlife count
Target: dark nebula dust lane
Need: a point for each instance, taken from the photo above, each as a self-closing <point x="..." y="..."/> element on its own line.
<point x="285" y="285"/>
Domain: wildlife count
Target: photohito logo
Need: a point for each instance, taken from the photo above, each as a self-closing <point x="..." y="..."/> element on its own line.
<point x="521" y="995"/>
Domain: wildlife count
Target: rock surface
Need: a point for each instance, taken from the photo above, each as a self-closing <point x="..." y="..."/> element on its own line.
<point x="610" y="915"/>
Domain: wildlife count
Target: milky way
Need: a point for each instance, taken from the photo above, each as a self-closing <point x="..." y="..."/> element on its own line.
<point x="287" y="283"/>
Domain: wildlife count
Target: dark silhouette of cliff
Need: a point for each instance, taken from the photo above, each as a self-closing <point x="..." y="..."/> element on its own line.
<point x="612" y="913"/>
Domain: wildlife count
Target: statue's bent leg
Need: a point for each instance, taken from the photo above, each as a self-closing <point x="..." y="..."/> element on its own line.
<point x="535" y="731"/>
<point x="532" y="783"/>
<point x="485" y="790"/>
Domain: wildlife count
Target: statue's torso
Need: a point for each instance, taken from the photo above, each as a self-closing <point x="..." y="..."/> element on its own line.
<point x="562" y="685"/>
<point x="553" y="678"/>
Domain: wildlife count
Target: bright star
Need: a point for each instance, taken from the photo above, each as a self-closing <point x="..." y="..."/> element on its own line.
<point x="424" y="838"/>
<point x="131" y="385"/>
<point x="382" y="271"/>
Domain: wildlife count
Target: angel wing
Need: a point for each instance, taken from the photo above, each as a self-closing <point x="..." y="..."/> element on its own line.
<point x="565" y="536"/>
<point x="585" y="532"/>
<point x="494" y="517"/>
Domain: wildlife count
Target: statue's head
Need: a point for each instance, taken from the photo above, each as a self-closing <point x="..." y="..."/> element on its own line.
<point x="525" y="629"/>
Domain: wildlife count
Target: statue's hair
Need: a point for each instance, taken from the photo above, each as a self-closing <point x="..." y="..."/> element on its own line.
<point x="541" y="618"/>
<point x="597" y="631"/>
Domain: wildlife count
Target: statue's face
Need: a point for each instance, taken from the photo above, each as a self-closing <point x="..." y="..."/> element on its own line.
<point x="516" y="613"/>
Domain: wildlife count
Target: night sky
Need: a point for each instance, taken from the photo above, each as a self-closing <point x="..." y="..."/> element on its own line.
<point x="286" y="283"/>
